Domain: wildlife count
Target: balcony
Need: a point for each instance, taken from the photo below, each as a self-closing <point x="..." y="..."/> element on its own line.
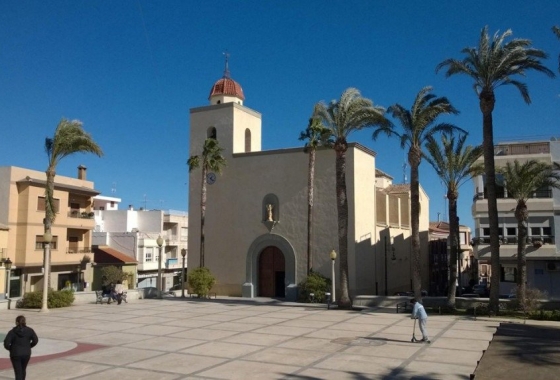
<point x="81" y="214"/>
<point x="76" y="250"/>
<point x="172" y="263"/>
<point x="172" y="240"/>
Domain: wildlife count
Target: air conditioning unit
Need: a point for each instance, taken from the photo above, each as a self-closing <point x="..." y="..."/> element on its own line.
<point x="552" y="266"/>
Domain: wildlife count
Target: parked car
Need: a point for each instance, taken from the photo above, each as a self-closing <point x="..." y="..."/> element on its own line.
<point x="481" y="290"/>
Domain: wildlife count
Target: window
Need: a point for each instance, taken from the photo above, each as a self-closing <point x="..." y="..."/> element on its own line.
<point x="511" y="231"/>
<point x="547" y="231"/>
<point x="39" y="242"/>
<point x="535" y="231"/>
<point x="148" y="255"/>
<point x="211" y="133"/>
<point x="509" y="274"/>
<point x="486" y="231"/>
<point x="184" y="234"/>
<point x="41" y="204"/>
<point x="247" y="140"/>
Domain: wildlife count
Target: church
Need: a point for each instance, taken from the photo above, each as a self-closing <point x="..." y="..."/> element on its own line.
<point x="256" y="210"/>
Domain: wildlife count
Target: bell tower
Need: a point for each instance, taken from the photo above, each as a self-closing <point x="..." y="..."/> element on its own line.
<point x="236" y="127"/>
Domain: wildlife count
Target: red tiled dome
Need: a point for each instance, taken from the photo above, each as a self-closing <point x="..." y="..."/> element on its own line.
<point x="227" y="86"/>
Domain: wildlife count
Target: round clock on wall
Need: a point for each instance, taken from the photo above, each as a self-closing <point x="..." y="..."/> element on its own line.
<point x="210" y="178"/>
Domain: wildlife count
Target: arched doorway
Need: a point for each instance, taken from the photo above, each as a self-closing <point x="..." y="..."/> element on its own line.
<point x="272" y="273"/>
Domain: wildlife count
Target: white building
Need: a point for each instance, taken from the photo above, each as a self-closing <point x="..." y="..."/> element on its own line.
<point x="256" y="211"/>
<point x="543" y="249"/>
<point x="135" y="233"/>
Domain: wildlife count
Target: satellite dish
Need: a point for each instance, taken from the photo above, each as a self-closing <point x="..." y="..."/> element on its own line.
<point x="553" y="138"/>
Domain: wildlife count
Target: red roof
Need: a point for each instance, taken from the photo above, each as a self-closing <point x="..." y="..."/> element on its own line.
<point x="227" y="86"/>
<point x="107" y="255"/>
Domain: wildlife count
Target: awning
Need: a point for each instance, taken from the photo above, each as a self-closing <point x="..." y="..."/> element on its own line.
<point x="106" y="255"/>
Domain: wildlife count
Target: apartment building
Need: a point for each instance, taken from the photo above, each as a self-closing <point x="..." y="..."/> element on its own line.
<point x="134" y="233"/>
<point x="22" y="210"/>
<point x="543" y="249"/>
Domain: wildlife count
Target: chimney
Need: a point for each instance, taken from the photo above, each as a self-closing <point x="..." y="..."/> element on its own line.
<point x="82" y="172"/>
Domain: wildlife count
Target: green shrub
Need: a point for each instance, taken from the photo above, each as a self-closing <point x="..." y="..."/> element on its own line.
<point x="55" y="299"/>
<point x="315" y="284"/>
<point x="201" y="281"/>
<point x="545" y="315"/>
<point x="112" y="274"/>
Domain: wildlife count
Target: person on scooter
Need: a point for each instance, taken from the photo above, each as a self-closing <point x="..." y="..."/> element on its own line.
<point x="418" y="312"/>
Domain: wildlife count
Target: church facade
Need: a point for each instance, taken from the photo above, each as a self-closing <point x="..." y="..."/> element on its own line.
<point x="256" y="210"/>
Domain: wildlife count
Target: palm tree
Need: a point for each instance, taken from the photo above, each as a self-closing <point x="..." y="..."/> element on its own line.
<point x="315" y="135"/>
<point x="417" y="125"/>
<point x="521" y="181"/>
<point x="491" y="64"/>
<point x="556" y="30"/>
<point x="69" y="138"/>
<point x="211" y="160"/>
<point x="454" y="164"/>
<point x="350" y="113"/>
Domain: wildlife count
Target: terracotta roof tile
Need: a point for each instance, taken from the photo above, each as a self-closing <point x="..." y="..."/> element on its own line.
<point x="106" y="255"/>
<point x="227" y="86"/>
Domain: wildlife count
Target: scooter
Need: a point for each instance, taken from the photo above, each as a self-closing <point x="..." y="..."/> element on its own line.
<point x="414" y="340"/>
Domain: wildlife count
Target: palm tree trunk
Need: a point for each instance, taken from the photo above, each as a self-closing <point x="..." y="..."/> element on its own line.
<point x="202" y="214"/>
<point x="310" y="188"/>
<point x="487" y="102"/>
<point x="47" y="222"/>
<point x="414" y="161"/>
<point x="453" y="253"/>
<point x="344" y="300"/>
<point x="521" y="216"/>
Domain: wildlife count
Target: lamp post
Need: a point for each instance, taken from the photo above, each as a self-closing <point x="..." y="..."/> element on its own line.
<point x="47" y="239"/>
<point x="183" y="253"/>
<point x="159" y="242"/>
<point x="8" y="265"/>
<point x="78" y="273"/>
<point x="333" y="258"/>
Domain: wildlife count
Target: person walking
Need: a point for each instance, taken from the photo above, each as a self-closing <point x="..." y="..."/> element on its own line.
<point x="119" y="289"/>
<point x="418" y="312"/>
<point x="19" y="342"/>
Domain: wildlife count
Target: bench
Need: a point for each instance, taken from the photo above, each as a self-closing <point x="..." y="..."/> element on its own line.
<point x="403" y="306"/>
<point x="100" y="297"/>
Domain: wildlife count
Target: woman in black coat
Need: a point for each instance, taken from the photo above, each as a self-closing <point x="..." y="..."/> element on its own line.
<point x="19" y="342"/>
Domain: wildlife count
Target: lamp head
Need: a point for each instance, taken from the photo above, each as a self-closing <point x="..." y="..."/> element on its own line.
<point x="183" y="252"/>
<point x="159" y="241"/>
<point x="8" y="263"/>
<point x="333" y="255"/>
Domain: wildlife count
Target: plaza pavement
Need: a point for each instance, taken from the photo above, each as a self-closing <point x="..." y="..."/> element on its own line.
<point x="232" y="338"/>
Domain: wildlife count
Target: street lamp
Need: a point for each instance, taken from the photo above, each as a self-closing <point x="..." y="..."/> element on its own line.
<point x="159" y="242"/>
<point x="47" y="239"/>
<point x="333" y="258"/>
<point x="78" y="272"/>
<point x="8" y="265"/>
<point x="183" y="253"/>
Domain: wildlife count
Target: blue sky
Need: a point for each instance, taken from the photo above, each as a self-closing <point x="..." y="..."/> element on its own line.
<point x="131" y="70"/>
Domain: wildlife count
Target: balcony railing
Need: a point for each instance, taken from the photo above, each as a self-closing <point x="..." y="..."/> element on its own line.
<point x="547" y="239"/>
<point x="81" y="214"/>
<point x="78" y="250"/>
<point x="171" y="263"/>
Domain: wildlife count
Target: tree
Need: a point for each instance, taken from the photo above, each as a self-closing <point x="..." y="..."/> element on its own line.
<point x="111" y="275"/>
<point x="211" y="160"/>
<point x="69" y="138"/>
<point x="314" y="136"/>
<point x="490" y="65"/>
<point x="521" y="181"/>
<point x="350" y="113"/>
<point x="454" y="164"/>
<point x="417" y="125"/>
<point x="556" y="31"/>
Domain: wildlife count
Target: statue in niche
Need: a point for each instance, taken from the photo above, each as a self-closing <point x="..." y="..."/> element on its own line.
<point x="269" y="212"/>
